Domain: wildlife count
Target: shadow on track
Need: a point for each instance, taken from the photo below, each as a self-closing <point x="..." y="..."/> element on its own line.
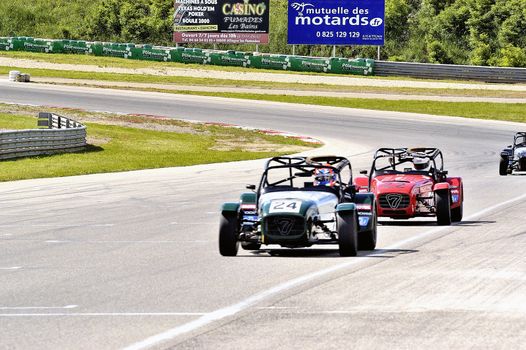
<point x="433" y="223"/>
<point x="323" y="253"/>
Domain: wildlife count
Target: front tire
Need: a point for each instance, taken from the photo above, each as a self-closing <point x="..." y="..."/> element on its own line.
<point x="347" y="233"/>
<point x="228" y="229"/>
<point x="367" y="239"/>
<point x="503" y="167"/>
<point x="443" y="207"/>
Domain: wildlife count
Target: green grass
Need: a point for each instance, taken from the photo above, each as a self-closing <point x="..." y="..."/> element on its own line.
<point x="480" y="110"/>
<point x="136" y="64"/>
<point x="117" y="148"/>
<point x="210" y="82"/>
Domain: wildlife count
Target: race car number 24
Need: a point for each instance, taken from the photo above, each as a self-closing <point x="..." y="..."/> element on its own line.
<point x="285" y="206"/>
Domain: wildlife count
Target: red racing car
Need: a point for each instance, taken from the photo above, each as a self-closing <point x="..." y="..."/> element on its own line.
<point x="412" y="183"/>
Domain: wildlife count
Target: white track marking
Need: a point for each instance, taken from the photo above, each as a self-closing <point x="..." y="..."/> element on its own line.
<point x="57" y="225"/>
<point x="37" y="307"/>
<point x="234" y="309"/>
<point x="11" y="268"/>
<point x="103" y="314"/>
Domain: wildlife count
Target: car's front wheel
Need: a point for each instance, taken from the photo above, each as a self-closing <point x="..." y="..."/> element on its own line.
<point x="503" y="167"/>
<point x="443" y="207"/>
<point x="347" y="233"/>
<point x="367" y="239"/>
<point x="228" y="229"/>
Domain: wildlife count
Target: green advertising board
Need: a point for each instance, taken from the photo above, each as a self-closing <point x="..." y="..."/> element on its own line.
<point x="43" y="45"/>
<point x="4" y="44"/>
<point x="357" y="66"/>
<point x="117" y="50"/>
<point x="151" y="53"/>
<point x="228" y="58"/>
<point x="309" y="64"/>
<point x="193" y="56"/>
<point x="280" y="62"/>
<point x="76" y="46"/>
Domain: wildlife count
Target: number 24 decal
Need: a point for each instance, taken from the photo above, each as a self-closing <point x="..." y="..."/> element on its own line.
<point x="285" y="206"/>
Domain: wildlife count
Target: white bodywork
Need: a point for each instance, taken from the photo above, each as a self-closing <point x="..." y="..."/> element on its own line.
<point x="325" y="201"/>
<point x="520" y="152"/>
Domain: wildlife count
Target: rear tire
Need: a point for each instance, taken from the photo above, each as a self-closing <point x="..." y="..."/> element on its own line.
<point x="443" y="207"/>
<point x="367" y="239"/>
<point x="228" y="227"/>
<point x="347" y="233"/>
<point x="250" y="245"/>
<point x="503" y="167"/>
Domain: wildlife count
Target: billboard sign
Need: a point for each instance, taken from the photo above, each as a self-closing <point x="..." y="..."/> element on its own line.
<point x="221" y="21"/>
<point x="336" y="22"/>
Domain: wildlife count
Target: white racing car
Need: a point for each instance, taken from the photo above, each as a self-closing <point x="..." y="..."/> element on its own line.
<point x="513" y="157"/>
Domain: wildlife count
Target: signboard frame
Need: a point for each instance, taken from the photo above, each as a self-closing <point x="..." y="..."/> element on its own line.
<point x="336" y="22"/>
<point x="221" y="21"/>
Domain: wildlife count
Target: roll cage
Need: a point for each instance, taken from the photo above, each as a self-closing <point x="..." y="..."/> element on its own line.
<point x="400" y="156"/>
<point x="299" y="167"/>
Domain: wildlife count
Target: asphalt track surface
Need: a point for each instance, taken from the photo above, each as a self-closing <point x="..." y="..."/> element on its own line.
<point x="131" y="260"/>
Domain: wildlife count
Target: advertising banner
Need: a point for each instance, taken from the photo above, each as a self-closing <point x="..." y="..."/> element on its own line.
<point x="336" y="22"/>
<point x="221" y="21"/>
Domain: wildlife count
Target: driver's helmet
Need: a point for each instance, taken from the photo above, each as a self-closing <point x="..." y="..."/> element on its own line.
<point x="324" y="177"/>
<point x="421" y="163"/>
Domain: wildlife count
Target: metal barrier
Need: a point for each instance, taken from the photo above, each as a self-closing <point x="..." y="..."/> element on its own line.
<point x="451" y="71"/>
<point x="63" y="135"/>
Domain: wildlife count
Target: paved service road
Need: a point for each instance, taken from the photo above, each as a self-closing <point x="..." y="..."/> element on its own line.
<point x="131" y="260"/>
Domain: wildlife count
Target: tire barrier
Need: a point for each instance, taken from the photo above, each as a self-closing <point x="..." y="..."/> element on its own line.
<point x="62" y="135"/>
<point x="191" y="55"/>
<point x="334" y="65"/>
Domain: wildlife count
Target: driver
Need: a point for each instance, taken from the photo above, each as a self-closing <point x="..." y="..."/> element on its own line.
<point x="324" y="177"/>
<point x="421" y="164"/>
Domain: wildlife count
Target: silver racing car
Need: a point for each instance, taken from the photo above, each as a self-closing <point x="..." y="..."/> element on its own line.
<point x="513" y="157"/>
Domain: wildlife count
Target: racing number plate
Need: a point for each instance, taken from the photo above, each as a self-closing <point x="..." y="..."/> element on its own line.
<point x="285" y="206"/>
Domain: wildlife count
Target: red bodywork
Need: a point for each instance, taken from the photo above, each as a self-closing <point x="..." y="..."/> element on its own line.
<point x="404" y="196"/>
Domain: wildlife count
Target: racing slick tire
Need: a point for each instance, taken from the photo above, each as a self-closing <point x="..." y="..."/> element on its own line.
<point x="228" y="243"/>
<point x="443" y="207"/>
<point x="503" y="167"/>
<point x="347" y="233"/>
<point x="250" y="245"/>
<point x="458" y="212"/>
<point x="367" y="239"/>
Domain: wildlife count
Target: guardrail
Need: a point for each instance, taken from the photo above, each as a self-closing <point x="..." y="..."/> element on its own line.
<point x="451" y="71"/>
<point x="63" y="135"/>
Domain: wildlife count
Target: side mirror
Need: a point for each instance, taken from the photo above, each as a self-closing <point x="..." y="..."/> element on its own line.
<point x="251" y="187"/>
<point x="363" y="172"/>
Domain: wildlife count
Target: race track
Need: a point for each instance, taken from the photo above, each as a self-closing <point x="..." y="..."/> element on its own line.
<point x="131" y="260"/>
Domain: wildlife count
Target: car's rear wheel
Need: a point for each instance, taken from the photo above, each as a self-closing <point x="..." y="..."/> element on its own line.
<point x="347" y="233"/>
<point x="443" y="207"/>
<point x="458" y="212"/>
<point x="367" y="239"/>
<point x="250" y="245"/>
<point x="503" y="167"/>
<point x="228" y="243"/>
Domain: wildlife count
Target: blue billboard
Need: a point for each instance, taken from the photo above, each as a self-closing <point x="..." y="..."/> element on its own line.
<point x="336" y="22"/>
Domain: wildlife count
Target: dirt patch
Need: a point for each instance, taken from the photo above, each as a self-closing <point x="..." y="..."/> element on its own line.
<point x="98" y="141"/>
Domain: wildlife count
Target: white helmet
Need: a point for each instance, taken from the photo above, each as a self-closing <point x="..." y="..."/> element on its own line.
<point x="421" y="163"/>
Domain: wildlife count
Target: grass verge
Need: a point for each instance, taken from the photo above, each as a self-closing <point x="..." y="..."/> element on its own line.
<point x="115" y="62"/>
<point x="211" y="82"/>
<point x="515" y="112"/>
<point x="123" y="143"/>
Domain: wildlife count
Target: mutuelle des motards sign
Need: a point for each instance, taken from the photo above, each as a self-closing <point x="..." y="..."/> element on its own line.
<point x="336" y="22"/>
<point x="221" y="21"/>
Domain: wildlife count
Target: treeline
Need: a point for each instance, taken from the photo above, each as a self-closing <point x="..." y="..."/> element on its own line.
<point x="480" y="32"/>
